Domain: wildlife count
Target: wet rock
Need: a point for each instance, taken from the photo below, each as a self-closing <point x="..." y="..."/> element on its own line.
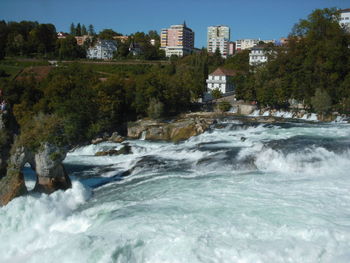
<point x="115" y="137"/>
<point x="97" y="140"/>
<point x="11" y="185"/>
<point x="126" y="149"/>
<point x="51" y="175"/>
<point x="177" y="130"/>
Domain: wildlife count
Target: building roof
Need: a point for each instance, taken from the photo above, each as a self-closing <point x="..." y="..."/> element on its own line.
<point x="344" y="10"/>
<point x="224" y="72"/>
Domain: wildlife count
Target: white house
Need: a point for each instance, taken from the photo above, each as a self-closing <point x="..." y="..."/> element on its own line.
<point x="103" y="49"/>
<point x="221" y="79"/>
<point x="257" y="56"/>
<point x="135" y="49"/>
<point x="345" y="19"/>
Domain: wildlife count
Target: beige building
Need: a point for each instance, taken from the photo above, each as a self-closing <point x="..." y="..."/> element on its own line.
<point x="177" y="40"/>
<point x="81" y="39"/>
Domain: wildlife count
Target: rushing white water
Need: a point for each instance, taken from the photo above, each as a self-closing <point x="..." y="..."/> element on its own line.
<point x="241" y="193"/>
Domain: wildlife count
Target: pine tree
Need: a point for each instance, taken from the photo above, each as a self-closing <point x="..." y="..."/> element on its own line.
<point x="91" y="30"/>
<point x="78" y="30"/>
<point x="72" y="29"/>
<point x="83" y="30"/>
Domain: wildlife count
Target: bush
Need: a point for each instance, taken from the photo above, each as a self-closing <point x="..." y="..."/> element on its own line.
<point x="3" y="138"/>
<point x="216" y="93"/>
<point x="224" y="106"/>
<point x="155" y="109"/>
<point x="321" y="102"/>
<point x="42" y="128"/>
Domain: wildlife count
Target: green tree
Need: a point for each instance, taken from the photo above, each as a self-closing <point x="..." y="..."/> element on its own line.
<point x="3" y="38"/>
<point x="91" y="30"/>
<point x="155" y="109"/>
<point x="321" y="102"/>
<point x="72" y="29"/>
<point x="78" y="30"/>
<point x="216" y="93"/>
<point x="108" y="34"/>
<point x="69" y="49"/>
<point x="224" y="106"/>
<point x="83" y="30"/>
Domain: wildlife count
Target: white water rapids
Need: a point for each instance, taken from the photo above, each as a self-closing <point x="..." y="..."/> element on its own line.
<point x="241" y="193"/>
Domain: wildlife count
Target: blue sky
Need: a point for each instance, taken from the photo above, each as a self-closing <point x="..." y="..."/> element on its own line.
<point x="265" y="19"/>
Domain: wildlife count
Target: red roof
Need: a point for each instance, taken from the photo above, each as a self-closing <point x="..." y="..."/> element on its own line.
<point x="224" y="72"/>
<point x="344" y="10"/>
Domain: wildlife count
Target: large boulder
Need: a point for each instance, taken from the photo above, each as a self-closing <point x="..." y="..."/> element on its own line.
<point x="51" y="175"/>
<point x="178" y="130"/>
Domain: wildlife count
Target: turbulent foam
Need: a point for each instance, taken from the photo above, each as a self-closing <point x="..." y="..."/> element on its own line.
<point x="242" y="193"/>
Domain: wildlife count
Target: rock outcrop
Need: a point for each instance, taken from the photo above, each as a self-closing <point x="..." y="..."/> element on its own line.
<point x="46" y="161"/>
<point x="178" y="130"/>
<point x="11" y="183"/>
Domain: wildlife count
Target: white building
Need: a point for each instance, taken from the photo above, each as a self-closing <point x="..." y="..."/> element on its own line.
<point x="243" y="44"/>
<point x="218" y="37"/>
<point x="258" y="56"/>
<point x="221" y="79"/>
<point x="345" y="19"/>
<point x="103" y="49"/>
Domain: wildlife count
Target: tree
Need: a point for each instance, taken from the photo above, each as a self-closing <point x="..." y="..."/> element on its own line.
<point x="78" y="30"/>
<point x="3" y="37"/>
<point x="155" y="109"/>
<point x="69" y="49"/>
<point x="91" y="30"/>
<point x="321" y="102"/>
<point x="83" y="30"/>
<point x="108" y="34"/>
<point x="72" y="30"/>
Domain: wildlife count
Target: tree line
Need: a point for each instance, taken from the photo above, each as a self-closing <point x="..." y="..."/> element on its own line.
<point x="32" y="39"/>
<point x="313" y="68"/>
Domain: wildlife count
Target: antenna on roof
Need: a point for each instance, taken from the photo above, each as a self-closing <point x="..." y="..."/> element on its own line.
<point x="184" y="23"/>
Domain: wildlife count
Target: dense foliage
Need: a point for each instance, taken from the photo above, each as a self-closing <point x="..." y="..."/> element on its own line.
<point x="317" y="57"/>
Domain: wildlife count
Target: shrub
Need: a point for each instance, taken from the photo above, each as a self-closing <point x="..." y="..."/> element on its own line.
<point x="224" y="106"/>
<point x="155" y="109"/>
<point x="216" y="93"/>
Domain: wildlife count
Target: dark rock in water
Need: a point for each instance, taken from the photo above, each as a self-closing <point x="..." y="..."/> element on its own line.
<point x="115" y="137"/>
<point x="243" y="139"/>
<point x="126" y="149"/>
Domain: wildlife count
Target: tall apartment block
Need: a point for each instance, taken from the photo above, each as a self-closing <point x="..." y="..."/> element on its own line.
<point x="177" y="40"/>
<point x="218" y="38"/>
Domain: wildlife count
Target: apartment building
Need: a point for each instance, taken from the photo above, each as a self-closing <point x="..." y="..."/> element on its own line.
<point x="177" y="40"/>
<point x="218" y="38"/>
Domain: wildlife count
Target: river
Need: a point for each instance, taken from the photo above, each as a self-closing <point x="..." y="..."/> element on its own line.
<point x="237" y="193"/>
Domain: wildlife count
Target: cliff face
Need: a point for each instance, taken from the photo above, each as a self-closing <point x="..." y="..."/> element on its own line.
<point x="45" y="161"/>
<point x="11" y="183"/>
